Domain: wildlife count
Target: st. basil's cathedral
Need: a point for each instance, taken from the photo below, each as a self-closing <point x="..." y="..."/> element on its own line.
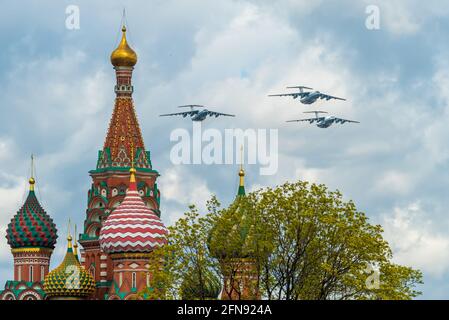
<point x="122" y="224"/>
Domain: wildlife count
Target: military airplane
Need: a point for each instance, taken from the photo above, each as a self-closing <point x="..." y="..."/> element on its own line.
<point x="323" y="122"/>
<point x="306" y="97"/>
<point x="197" y="115"/>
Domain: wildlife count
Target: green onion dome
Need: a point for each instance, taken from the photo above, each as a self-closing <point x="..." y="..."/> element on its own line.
<point x="69" y="280"/>
<point x="231" y="235"/>
<point x="192" y="290"/>
<point x="31" y="226"/>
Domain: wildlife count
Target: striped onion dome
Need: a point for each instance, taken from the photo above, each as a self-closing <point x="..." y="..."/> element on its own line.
<point x="69" y="279"/>
<point x="132" y="226"/>
<point x="31" y="226"/>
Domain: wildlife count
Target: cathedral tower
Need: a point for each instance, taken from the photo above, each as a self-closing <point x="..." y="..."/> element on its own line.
<point x="110" y="179"/>
<point x="128" y="236"/>
<point x="31" y="234"/>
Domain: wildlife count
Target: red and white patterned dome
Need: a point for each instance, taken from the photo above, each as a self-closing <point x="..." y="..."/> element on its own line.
<point x="132" y="226"/>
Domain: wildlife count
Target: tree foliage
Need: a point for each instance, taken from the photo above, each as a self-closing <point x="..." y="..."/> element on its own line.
<point x="184" y="268"/>
<point x="305" y="241"/>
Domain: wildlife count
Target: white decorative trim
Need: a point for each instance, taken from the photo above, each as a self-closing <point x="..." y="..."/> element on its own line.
<point x="132" y="244"/>
<point x="133" y="235"/>
<point x="134" y="226"/>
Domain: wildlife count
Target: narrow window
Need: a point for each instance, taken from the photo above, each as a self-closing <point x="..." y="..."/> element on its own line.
<point x="31" y="274"/>
<point x="134" y="280"/>
<point x="42" y="273"/>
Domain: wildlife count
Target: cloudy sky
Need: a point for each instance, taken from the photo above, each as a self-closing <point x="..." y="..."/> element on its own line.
<point x="57" y="97"/>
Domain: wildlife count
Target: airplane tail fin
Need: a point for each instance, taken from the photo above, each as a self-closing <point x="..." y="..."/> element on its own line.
<point x="301" y="88"/>
<point x="315" y="112"/>
<point x="191" y="106"/>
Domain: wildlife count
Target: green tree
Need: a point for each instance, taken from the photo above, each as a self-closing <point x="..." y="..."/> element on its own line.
<point x="305" y="242"/>
<point x="317" y="246"/>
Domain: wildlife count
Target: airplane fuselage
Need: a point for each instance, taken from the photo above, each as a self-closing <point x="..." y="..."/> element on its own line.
<point x="326" y="122"/>
<point x="310" y="98"/>
<point x="200" y="116"/>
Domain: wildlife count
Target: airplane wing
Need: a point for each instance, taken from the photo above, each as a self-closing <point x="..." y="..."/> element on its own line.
<point x="328" y="97"/>
<point x="217" y="114"/>
<point x="294" y="95"/>
<point x="340" y="120"/>
<point x="184" y="114"/>
<point x="310" y="120"/>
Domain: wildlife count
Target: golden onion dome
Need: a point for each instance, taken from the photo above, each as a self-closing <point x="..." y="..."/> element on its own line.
<point x="69" y="280"/>
<point x="123" y="56"/>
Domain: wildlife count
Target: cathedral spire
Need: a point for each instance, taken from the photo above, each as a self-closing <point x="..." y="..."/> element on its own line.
<point x="122" y="161"/>
<point x="124" y="130"/>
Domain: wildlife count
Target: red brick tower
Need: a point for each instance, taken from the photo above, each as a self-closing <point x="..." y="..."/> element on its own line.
<point x="110" y="179"/>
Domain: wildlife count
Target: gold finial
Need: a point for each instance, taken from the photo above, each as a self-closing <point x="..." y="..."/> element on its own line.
<point x="123" y="56"/>
<point x="123" y="20"/>
<point x="32" y="181"/>
<point x="69" y="237"/>
<point x="132" y="171"/>
<point x="241" y="172"/>
<point x="75" y="244"/>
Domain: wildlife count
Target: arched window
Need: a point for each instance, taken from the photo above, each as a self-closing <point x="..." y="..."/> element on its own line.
<point x="19" y="273"/>
<point x="134" y="280"/>
<point x="42" y="273"/>
<point x="148" y="279"/>
<point x="31" y="274"/>
<point x="120" y="279"/>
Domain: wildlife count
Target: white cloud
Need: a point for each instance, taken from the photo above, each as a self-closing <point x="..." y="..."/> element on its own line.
<point x="179" y="189"/>
<point x="394" y="183"/>
<point x="414" y="241"/>
<point x="11" y="198"/>
<point x="399" y="19"/>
